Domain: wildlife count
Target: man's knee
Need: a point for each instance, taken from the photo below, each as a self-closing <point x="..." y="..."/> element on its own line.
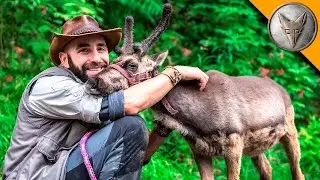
<point x="132" y="123"/>
<point x="122" y="142"/>
<point x="135" y="141"/>
<point x="131" y="127"/>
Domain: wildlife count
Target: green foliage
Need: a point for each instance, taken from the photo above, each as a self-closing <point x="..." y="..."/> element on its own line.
<point x="229" y="36"/>
<point x="309" y="143"/>
<point x="25" y="31"/>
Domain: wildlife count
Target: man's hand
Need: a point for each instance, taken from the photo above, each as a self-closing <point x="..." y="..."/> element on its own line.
<point x="193" y="73"/>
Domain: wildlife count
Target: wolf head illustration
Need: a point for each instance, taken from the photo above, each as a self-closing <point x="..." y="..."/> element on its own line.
<point x="291" y="28"/>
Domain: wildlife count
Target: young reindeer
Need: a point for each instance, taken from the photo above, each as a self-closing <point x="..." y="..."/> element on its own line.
<point x="233" y="116"/>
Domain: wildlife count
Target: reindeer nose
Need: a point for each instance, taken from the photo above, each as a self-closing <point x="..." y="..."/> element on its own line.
<point x="101" y="86"/>
<point x="97" y="84"/>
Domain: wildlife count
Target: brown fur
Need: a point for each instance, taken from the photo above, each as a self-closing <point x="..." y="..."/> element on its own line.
<point x="222" y="121"/>
<point x="262" y="164"/>
<point x="232" y="146"/>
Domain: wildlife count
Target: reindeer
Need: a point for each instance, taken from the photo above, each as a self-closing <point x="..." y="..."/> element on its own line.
<point x="233" y="116"/>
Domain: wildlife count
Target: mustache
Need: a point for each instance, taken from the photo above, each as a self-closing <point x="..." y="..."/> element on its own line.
<point x="94" y="65"/>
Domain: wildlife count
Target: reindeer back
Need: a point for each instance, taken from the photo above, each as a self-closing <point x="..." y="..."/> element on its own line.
<point x="229" y="104"/>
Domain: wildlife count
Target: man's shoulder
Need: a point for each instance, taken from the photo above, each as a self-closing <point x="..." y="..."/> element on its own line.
<point x="49" y="80"/>
<point x="55" y="80"/>
<point x="55" y="71"/>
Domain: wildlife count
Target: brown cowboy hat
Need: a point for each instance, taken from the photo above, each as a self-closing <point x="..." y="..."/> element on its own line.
<point x="81" y="26"/>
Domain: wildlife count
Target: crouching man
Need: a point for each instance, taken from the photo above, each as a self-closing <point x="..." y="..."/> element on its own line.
<point x="56" y="110"/>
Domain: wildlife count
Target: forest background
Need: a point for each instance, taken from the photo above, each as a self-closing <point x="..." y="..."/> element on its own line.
<point x="229" y="36"/>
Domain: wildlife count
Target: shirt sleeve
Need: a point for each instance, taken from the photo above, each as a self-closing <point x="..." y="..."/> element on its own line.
<point x="60" y="97"/>
<point x="112" y="106"/>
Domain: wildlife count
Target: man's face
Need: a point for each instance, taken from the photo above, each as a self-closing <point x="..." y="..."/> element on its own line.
<point x="85" y="56"/>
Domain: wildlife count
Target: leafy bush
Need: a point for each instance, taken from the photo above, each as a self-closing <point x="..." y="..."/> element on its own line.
<point x="26" y="30"/>
<point x="229" y="36"/>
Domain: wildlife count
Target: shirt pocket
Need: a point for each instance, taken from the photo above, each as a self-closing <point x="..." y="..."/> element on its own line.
<point x="49" y="148"/>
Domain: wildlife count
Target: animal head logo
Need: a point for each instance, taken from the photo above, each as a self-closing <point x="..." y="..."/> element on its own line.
<point x="292" y="26"/>
<point x="292" y="29"/>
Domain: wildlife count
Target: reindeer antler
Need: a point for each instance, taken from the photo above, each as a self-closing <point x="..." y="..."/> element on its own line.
<point x="127" y="47"/>
<point x="146" y="44"/>
<point x="142" y="48"/>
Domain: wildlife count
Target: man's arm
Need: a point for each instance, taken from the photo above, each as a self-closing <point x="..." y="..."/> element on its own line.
<point x="145" y="94"/>
<point x="60" y="97"/>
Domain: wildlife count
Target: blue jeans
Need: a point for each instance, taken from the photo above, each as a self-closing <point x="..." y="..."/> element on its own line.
<point x="116" y="151"/>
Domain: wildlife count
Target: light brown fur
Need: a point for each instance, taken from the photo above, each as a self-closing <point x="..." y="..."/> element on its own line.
<point x="233" y="146"/>
<point x="206" y="120"/>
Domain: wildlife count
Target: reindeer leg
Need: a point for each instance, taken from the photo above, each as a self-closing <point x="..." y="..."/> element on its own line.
<point x="262" y="164"/>
<point x="156" y="138"/>
<point x="291" y="145"/>
<point x="155" y="141"/>
<point x="233" y="156"/>
<point x="292" y="148"/>
<point x="204" y="163"/>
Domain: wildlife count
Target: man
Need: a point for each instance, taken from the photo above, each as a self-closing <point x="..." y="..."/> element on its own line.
<point x="56" y="110"/>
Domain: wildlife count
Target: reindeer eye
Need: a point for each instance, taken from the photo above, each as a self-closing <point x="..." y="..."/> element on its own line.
<point x="132" y="66"/>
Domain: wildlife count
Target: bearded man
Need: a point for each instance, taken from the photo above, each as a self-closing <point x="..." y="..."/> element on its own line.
<point x="57" y="109"/>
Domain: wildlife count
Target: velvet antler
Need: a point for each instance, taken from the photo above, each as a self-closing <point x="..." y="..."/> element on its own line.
<point x="146" y="44"/>
<point x="142" y="48"/>
<point x="127" y="47"/>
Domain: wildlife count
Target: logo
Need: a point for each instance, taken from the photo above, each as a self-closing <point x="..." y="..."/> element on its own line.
<point x="292" y="27"/>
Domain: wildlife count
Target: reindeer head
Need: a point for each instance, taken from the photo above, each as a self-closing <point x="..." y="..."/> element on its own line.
<point x="133" y="65"/>
<point x="292" y="29"/>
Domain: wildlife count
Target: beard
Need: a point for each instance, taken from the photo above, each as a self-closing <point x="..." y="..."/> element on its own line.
<point x="81" y="72"/>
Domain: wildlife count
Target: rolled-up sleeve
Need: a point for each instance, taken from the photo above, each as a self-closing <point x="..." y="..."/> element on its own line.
<point x="60" y="97"/>
<point x="112" y="106"/>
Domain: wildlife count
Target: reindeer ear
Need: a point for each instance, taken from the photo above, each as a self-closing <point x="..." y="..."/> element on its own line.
<point x="160" y="57"/>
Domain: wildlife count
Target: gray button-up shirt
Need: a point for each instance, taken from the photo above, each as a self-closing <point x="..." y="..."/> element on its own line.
<point x="50" y="124"/>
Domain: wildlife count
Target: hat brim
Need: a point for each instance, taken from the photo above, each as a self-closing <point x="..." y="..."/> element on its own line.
<point x="112" y="36"/>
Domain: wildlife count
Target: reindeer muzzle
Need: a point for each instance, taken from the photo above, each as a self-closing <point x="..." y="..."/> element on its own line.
<point x="137" y="78"/>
